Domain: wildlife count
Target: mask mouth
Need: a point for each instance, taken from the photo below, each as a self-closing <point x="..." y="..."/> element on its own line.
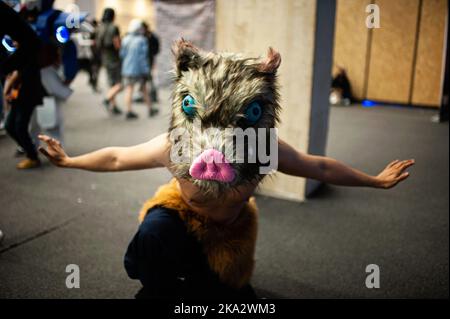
<point x="212" y="165"/>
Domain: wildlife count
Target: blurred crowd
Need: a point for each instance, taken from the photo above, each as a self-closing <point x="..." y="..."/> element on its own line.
<point x="41" y="53"/>
<point x="128" y="62"/>
<point x="40" y="57"/>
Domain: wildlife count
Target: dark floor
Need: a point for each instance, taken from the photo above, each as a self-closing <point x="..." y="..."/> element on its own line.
<point x="54" y="217"/>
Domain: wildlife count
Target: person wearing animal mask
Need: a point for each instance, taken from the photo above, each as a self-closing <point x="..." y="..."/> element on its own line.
<point x="197" y="234"/>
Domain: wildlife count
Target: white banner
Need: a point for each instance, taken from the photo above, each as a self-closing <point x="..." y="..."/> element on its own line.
<point x="194" y="20"/>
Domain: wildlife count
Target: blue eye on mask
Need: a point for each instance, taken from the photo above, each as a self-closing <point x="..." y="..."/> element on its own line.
<point x="253" y="112"/>
<point x="188" y="105"/>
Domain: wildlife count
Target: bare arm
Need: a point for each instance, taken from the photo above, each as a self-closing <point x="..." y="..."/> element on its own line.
<point x="116" y="42"/>
<point x="331" y="171"/>
<point x="151" y="154"/>
<point x="10" y="82"/>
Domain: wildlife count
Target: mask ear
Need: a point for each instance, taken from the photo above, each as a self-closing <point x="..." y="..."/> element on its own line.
<point x="271" y="63"/>
<point x="187" y="56"/>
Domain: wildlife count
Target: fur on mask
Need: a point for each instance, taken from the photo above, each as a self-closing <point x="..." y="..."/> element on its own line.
<point x="223" y="85"/>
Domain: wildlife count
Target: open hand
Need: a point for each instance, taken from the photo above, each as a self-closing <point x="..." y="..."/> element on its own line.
<point x="54" y="152"/>
<point x="394" y="173"/>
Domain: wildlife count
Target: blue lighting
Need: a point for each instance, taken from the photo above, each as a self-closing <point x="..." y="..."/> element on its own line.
<point x="8" y="44"/>
<point x="368" y="103"/>
<point x="62" y="34"/>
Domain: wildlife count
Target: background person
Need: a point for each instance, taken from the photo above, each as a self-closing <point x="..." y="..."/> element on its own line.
<point x="108" y="42"/>
<point x="135" y="66"/>
<point x="96" y="61"/>
<point x="23" y="89"/>
<point x="153" y="50"/>
<point x="57" y="93"/>
<point x="84" y="42"/>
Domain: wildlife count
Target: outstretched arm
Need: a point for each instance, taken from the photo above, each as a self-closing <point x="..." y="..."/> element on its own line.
<point x="151" y="154"/>
<point x="331" y="171"/>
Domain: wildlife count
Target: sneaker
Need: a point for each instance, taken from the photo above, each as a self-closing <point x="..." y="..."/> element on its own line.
<point x="116" y="111"/>
<point x="28" y="163"/>
<point x="154" y="95"/>
<point x="19" y="152"/>
<point x="131" y="116"/>
<point x="106" y="104"/>
<point x="96" y="90"/>
<point x="153" y="112"/>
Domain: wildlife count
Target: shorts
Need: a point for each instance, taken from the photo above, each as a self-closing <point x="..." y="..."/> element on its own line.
<point x="114" y="75"/>
<point x="131" y="80"/>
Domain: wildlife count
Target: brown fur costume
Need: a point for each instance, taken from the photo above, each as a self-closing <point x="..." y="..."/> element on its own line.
<point x="229" y="248"/>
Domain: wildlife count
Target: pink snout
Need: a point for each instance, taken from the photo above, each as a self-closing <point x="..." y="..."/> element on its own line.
<point x="212" y="165"/>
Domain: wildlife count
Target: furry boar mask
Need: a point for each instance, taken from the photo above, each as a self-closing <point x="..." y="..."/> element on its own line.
<point x="216" y="95"/>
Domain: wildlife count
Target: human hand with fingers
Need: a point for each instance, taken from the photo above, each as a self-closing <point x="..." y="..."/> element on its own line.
<point x="394" y="173"/>
<point x="331" y="171"/>
<point x="151" y="154"/>
<point x="54" y="151"/>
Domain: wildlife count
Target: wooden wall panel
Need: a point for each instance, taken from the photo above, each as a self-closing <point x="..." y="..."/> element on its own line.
<point x="350" y="42"/>
<point x="251" y="26"/>
<point x="427" y="88"/>
<point x="392" y="51"/>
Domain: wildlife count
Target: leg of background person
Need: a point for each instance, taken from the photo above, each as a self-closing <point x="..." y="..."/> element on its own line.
<point x="58" y="131"/>
<point x="112" y="93"/>
<point x="22" y="130"/>
<point x="87" y="66"/>
<point x="82" y="65"/>
<point x="129" y="96"/>
<point x="114" y="79"/>
<point x="17" y="126"/>
<point x="129" y="100"/>
<point x="35" y="129"/>
<point x="11" y="128"/>
<point x="95" y="72"/>
<point x="10" y="123"/>
<point x="90" y="71"/>
<point x="153" y="90"/>
<point x="147" y="99"/>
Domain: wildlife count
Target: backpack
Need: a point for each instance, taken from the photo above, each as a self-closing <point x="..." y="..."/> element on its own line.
<point x="106" y="35"/>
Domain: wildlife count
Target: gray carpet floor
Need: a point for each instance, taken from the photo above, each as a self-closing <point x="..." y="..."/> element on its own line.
<point x="317" y="249"/>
